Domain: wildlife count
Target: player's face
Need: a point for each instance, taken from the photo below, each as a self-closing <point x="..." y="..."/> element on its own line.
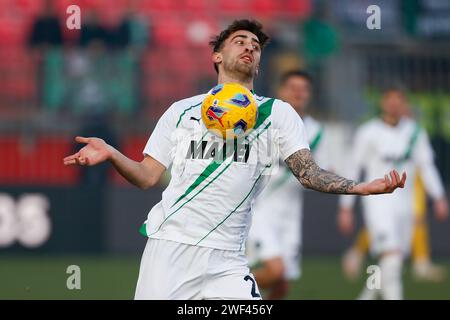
<point x="297" y="92"/>
<point x="240" y="54"/>
<point x="394" y="104"/>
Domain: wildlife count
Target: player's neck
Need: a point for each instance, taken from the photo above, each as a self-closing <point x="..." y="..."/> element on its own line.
<point x="224" y="78"/>
<point x="392" y="121"/>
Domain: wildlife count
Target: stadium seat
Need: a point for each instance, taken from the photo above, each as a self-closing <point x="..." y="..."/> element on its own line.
<point x="265" y="8"/>
<point x="297" y="8"/>
<point x="169" y="31"/>
<point x="36" y="162"/>
<point x="154" y="8"/>
<point x="233" y="7"/>
<point x="196" y="6"/>
<point x="12" y="31"/>
<point x="131" y="146"/>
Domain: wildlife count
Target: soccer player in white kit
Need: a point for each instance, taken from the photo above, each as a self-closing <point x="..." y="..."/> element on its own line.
<point x="391" y="141"/>
<point x="274" y="239"/>
<point x="197" y="232"/>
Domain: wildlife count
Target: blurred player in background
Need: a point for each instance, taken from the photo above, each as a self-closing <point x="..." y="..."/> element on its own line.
<point x="422" y="266"/>
<point x="392" y="140"/>
<point x="275" y="236"/>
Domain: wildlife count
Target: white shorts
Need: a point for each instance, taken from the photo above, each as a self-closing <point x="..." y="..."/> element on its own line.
<point x="276" y="232"/>
<point x="176" y="271"/>
<point x="389" y="223"/>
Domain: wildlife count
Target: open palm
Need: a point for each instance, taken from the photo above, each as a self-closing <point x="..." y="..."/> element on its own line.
<point x="94" y="152"/>
<point x="386" y="185"/>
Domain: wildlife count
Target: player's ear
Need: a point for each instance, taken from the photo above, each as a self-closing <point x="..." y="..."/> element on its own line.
<point x="217" y="57"/>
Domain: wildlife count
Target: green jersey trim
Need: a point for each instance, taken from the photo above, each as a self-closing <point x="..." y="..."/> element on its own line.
<point x="264" y="111"/>
<point x="205" y="174"/>
<point x="259" y="133"/>
<point x="170" y="215"/>
<point x="410" y="148"/>
<point x="316" y="140"/>
<point x="143" y="229"/>
<point x="234" y="210"/>
<point x="186" y="110"/>
<point x="412" y="142"/>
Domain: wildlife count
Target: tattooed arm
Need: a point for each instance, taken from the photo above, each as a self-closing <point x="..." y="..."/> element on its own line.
<point x="311" y="176"/>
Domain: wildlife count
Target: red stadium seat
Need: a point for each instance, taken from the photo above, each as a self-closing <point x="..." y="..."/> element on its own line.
<point x="154" y="8"/>
<point x="131" y="147"/>
<point x="36" y="162"/>
<point x="170" y="31"/>
<point x="234" y="8"/>
<point x="196" y="6"/>
<point x="265" y="8"/>
<point x="12" y="31"/>
<point x="297" y="8"/>
<point x="62" y="5"/>
<point x="29" y="7"/>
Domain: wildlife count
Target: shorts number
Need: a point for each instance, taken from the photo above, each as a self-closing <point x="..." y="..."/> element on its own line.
<point x="254" y="293"/>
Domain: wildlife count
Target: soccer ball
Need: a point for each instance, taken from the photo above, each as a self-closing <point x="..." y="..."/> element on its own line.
<point x="229" y="110"/>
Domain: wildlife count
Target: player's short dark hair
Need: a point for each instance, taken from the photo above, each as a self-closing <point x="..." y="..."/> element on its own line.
<point x="252" y="26"/>
<point x="296" y="73"/>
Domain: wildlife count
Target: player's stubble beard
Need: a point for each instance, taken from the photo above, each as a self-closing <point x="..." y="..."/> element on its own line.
<point x="239" y="70"/>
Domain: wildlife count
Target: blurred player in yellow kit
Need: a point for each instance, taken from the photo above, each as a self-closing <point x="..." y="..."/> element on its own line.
<point x="423" y="269"/>
<point x="391" y="140"/>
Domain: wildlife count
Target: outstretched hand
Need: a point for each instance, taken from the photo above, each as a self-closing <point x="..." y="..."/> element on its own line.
<point x="441" y="209"/>
<point x="94" y="152"/>
<point x="345" y="221"/>
<point x="386" y="185"/>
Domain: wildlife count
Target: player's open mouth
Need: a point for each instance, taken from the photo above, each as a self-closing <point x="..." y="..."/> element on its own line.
<point x="247" y="58"/>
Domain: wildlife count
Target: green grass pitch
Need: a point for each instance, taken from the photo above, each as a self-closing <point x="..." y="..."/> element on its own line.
<point x="32" y="277"/>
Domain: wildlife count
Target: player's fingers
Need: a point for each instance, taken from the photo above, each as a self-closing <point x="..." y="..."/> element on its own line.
<point x="397" y="177"/>
<point x="82" y="139"/>
<point x="387" y="181"/>
<point x="82" y="161"/>
<point x="72" y="157"/>
<point x="402" y="182"/>
<point x="70" y="162"/>
<point x="395" y="180"/>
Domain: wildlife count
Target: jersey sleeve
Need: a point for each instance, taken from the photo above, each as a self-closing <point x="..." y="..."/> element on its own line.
<point x="291" y="130"/>
<point x="423" y="154"/>
<point x="160" y="145"/>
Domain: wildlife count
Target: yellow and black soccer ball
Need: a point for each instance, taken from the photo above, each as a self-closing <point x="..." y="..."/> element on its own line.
<point x="229" y="110"/>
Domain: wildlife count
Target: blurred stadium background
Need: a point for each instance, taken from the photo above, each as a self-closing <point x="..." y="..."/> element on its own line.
<point x="128" y="63"/>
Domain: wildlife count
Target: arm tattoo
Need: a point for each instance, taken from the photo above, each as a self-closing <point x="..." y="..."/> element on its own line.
<point x="313" y="177"/>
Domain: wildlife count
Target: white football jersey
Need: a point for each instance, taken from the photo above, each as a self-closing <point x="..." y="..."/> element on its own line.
<point x="379" y="148"/>
<point x="213" y="181"/>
